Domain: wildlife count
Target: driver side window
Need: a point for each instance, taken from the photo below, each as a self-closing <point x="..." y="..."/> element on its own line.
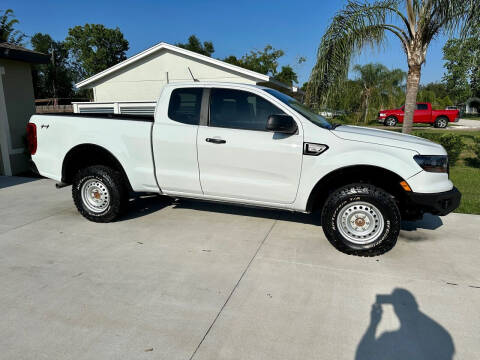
<point x="240" y="110"/>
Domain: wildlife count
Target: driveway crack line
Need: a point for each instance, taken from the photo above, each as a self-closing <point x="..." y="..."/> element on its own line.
<point x="234" y="289"/>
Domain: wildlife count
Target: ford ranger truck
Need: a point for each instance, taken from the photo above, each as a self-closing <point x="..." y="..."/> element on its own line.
<point x="247" y="145"/>
<point x="423" y="114"/>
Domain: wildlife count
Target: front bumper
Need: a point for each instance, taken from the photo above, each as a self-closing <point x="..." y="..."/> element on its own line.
<point x="436" y="203"/>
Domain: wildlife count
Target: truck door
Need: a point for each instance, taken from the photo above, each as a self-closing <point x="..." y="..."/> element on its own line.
<point x="174" y="141"/>
<point x="239" y="159"/>
<point x="422" y="114"/>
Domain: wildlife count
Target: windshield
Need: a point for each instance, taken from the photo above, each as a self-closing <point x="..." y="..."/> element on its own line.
<point x="301" y="109"/>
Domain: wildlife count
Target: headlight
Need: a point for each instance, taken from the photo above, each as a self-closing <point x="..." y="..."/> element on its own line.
<point x="382" y="114"/>
<point x="432" y="163"/>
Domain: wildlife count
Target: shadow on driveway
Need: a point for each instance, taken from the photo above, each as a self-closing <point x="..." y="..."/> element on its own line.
<point x="419" y="336"/>
<point x="429" y="222"/>
<point x="313" y="219"/>
<point x="7" y="181"/>
<point x="147" y="204"/>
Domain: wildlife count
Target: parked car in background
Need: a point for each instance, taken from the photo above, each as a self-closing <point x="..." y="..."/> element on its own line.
<point x="326" y="113"/>
<point x="451" y="108"/>
<point x="247" y="145"/>
<point x="423" y="114"/>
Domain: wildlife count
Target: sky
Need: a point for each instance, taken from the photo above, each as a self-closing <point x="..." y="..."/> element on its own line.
<point x="234" y="27"/>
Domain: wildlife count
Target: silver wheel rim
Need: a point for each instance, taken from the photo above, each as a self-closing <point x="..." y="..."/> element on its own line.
<point x="390" y="122"/>
<point x="442" y="123"/>
<point x="360" y="222"/>
<point x="95" y="195"/>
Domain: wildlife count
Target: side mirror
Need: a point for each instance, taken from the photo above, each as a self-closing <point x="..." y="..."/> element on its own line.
<point x="281" y="124"/>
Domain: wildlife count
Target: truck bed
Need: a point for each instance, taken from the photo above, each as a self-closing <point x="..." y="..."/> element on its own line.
<point x="126" y="137"/>
<point x="147" y="118"/>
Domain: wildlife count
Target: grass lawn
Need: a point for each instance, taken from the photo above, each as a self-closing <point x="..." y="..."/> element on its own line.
<point x="467" y="180"/>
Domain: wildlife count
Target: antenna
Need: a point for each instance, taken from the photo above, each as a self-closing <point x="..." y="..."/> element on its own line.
<point x="193" y="77"/>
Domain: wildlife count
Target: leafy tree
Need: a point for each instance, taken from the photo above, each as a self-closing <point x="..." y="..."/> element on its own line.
<point x="94" y="48"/>
<point x="362" y="23"/>
<point x="347" y="98"/>
<point x="377" y="82"/>
<point x="438" y="94"/>
<point x="462" y="64"/>
<point x="195" y="45"/>
<point x="8" y="33"/>
<point x="55" y="79"/>
<point x="266" y="62"/>
<point x="287" y="75"/>
<point x="262" y="61"/>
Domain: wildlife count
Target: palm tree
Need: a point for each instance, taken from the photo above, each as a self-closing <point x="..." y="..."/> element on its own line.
<point x="366" y="23"/>
<point x="7" y="28"/>
<point x="379" y="82"/>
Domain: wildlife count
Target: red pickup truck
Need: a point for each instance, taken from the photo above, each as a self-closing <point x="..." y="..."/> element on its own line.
<point x="423" y="114"/>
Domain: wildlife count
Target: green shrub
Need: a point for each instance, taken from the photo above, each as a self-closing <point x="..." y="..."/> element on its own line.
<point x="476" y="147"/>
<point x="452" y="143"/>
<point x="430" y="136"/>
<point x="345" y="119"/>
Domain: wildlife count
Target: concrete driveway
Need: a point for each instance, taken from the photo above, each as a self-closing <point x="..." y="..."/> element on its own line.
<point x="466" y="124"/>
<point x="190" y="280"/>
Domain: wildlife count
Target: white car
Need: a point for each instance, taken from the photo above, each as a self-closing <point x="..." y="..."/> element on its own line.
<point x="250" y="145"/>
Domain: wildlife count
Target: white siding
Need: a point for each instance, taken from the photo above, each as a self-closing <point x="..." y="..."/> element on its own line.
<point x="143" y="80"/>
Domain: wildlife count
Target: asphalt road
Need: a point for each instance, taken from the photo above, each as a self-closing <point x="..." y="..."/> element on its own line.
<point x="194" y="280"/>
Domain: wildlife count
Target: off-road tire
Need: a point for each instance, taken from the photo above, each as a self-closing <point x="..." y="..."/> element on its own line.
<point x="113" y="181"/>
<point x="373" y="195"/>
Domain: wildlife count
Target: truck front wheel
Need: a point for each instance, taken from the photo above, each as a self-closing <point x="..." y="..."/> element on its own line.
<point x="361" y="219"/>
<point x="99" y="193"/>
<point x="390" y="121"/>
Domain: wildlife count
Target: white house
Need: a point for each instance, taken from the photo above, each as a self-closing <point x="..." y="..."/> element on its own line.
<point x="133" y="85"/>
<point x="472" y="106"/>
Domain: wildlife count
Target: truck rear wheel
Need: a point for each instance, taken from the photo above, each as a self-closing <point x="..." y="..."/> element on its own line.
<point x="361" y="219"/>
<point x="441" y="122"/>
<point x="99" y="193"/>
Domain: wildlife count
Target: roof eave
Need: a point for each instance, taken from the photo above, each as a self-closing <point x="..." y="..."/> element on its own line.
<point x="160" y="46"/>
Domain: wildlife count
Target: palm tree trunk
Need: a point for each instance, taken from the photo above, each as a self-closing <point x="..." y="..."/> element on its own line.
<point x="413" y="81"/>
<point x="366" y="109"/>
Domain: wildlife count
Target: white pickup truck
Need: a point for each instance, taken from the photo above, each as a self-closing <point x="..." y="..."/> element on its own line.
<point x="250" y="145"/>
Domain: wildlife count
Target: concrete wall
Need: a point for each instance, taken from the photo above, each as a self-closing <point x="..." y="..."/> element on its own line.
<point x="143" y="80"/>
<point x="19" y="99"/>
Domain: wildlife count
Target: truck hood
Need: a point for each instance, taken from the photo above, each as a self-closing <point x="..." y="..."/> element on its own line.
<point x="389" y="138"/>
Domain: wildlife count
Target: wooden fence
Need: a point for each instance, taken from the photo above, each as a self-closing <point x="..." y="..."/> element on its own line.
<point x="41" y="109"/>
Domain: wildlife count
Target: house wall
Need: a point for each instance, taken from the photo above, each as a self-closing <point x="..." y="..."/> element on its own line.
<point x="19" y="100"/>
<point x="2" y="170"/>
<point x="472" y="106"/>
<point x="143" y="80"/>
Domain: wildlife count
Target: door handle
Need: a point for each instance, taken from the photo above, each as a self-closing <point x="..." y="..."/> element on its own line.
<point x="215" y="140"/>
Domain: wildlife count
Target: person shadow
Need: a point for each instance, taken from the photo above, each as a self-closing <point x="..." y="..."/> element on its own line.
<point x="419" y="336"/>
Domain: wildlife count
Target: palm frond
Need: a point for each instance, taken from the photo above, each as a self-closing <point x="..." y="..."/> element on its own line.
<point x="358" y="25"/>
